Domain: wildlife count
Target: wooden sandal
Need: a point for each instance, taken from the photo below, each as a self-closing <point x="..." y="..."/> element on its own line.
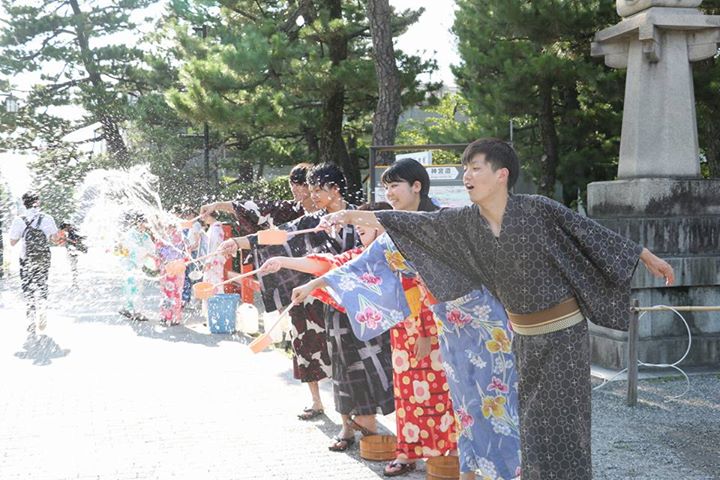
<point x="341" y="444"/>
<point x="391" y="469"/>
<point x="356" y="426"/>
<point x="310" y="413"/>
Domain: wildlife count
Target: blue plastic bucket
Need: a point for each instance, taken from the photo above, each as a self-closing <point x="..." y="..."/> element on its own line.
<point x="222" y="309"/>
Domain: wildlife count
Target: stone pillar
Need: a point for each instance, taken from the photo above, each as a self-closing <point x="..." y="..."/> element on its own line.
<point x="657" y="45"/>
<point x="659" y="199"/>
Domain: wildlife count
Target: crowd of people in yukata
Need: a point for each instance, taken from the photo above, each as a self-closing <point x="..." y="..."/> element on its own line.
<point x="147" y="247"/>
<point x="469" y="323"/>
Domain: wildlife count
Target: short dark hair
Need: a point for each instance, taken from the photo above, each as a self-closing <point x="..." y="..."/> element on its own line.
<point x="325" y="174"/>
<point x="498" y="153"/>
<point x="409" y="170"/>
<point x="375" y="206"/>
<point x="30" y="199"/>
<point x="298" y="174"/>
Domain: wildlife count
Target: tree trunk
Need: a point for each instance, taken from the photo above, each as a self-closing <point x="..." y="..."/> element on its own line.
<point x="331" y="144"/>
<point x="311" y="139"/>
<point x="389" y="105"/>
<point x="548" y="133"/>
<point x="100" y="100"/>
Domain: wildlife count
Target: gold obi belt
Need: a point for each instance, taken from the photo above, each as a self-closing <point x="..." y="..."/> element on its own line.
<point x="563" y="315"/>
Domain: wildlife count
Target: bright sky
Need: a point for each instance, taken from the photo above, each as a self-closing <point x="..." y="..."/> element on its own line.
<point x="430" y="37"/>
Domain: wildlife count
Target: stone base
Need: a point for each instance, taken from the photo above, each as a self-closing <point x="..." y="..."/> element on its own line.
<point x="679" y="220"/>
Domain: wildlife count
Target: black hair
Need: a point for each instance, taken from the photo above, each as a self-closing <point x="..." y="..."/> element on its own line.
<point x="375" y="206"/>
<point x="411" y="171"/>
<point x="298" y="174"/>
<point x="30" y="199"/>
<point x="498" y="153"/>
<point x="330" y="174"/>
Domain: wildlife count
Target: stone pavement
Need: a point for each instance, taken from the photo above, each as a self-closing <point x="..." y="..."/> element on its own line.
<point x="98" y="397"/>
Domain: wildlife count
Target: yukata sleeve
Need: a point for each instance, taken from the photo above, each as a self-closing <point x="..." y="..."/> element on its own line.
<point x="254" y="214"/>
<point x="436" y="243"/>
<point x="597" y="262"/>
<point x="370" y="291"/>
<point x="328" y="263"/>
<point x="613" y="255"/>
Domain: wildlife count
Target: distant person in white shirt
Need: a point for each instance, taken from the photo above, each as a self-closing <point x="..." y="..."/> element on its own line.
<point x="34" y="230"/>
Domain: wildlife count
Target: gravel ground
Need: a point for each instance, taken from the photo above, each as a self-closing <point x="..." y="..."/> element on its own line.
<point x="660" y="438"/>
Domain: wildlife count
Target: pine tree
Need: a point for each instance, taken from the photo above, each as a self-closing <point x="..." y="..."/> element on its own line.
<point x="297" y="76"/>
<point x="530" y="62"/>
<point x="78" y="50"/>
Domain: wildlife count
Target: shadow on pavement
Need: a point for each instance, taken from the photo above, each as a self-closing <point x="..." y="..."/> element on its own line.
<point x="41" y="349"/>
<point x="181" y="333"/>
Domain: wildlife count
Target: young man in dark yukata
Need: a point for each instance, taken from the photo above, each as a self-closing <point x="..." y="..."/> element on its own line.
<point x="551" y="268"/>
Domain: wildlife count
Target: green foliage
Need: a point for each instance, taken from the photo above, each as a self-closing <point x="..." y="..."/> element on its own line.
<point x="74" y="45"/>
<point x="276" y="189"/>
<point x="522" y="60"/>
<point x="448" y="121"/>
<point x="56" y="173"/>
<point x="264" y="81"/>
<point x="706" y="76"/>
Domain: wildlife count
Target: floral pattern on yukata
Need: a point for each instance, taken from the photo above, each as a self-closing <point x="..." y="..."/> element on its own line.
<point x="475" y="353"/>
<point x="425" y="423"/>
<point x="476" y="349"/>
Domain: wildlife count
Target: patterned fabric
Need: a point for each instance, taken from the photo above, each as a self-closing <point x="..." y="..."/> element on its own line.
<point x="311" y="361"/>
<point x="475" y="354"/>
<point x="171" y="286"/>
<point x="254" y="215"/>
<point x="214" y="268"/>
<point x="361" y="371"/>
<point x="425" y="423"/>
<point x="277" y="287"/>
<point x="544" y="254"/>
<point x="368" y="287"/>
<point x="426" y="426"/>
<point x="191" y="242"/>
<point x="138" y="248"/>
<point x="475" y="346"/>
<point x="555" y="404"/>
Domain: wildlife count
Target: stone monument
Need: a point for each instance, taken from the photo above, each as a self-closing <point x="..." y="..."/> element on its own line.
<point x="660" y="199"/>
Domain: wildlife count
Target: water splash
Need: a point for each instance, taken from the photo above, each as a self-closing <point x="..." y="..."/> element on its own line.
<point x="105" y="198"/>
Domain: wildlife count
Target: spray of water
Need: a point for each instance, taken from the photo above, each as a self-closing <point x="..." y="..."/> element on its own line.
<point x="106" y="197"/>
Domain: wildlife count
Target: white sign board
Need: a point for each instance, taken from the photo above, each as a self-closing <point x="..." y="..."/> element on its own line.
<point x="425" y="158"/>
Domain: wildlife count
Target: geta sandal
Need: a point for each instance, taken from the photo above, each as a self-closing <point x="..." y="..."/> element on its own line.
<point x="341" y="444"/>
<point x="392" y="470"/>
<point x="310" y="413"/>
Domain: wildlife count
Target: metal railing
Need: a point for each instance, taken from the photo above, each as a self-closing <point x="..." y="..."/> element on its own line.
<point x="633" y="363"/>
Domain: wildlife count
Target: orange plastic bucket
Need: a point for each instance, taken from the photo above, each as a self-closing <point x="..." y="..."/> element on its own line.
<point x="260" y="343"/>
<point x="272" y="237"/>
<point x="175" y="267"/>
<point x="203" y="290"/>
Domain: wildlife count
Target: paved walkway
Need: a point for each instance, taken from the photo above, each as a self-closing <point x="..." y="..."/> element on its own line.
<point x="98" y="397"/>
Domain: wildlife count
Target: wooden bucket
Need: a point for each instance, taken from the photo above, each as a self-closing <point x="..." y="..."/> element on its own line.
<point x="378" y="448"/>
<point x="443" y="468"/>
